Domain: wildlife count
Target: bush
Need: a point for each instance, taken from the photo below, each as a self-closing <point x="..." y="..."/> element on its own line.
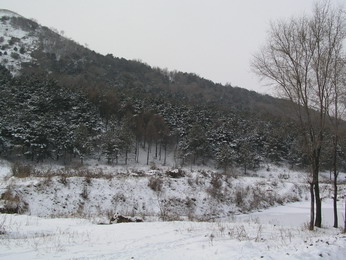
<point x="2" y="227"/>
<point x="13" y="40"/>
<point x="63" y="180"/>
<point x="156" y="184"/>
<point x="15" y="55"/>
<point x="176" y="174"/>
<point x="239" y="197"/>
<point x="215" y="188"/>
<point x="13" y="204"/>
<point x="22" y="171"/>
<point x="4" y="19"/>
<point x="85" y="193"/>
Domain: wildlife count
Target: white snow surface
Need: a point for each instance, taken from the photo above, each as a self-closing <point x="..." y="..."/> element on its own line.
<point x="13" y="38"/>
<point x="277" y="232"/>
<point x="31" y="237"/>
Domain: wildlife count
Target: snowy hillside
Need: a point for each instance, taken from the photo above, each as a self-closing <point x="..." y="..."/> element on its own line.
<point x="16" y="43"/>
<point x="169" y="194"/>
<point x="149" y="192"/>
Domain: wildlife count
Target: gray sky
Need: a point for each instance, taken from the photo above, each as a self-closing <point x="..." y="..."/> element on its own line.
<point x="212" y="38"/>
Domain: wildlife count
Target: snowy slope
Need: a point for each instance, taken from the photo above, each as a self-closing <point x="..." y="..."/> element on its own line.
<point x="16" y="43"/>
<point x="98" y="191"/>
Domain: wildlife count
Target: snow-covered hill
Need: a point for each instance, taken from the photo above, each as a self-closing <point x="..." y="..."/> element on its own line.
<point x="19" y="38"/>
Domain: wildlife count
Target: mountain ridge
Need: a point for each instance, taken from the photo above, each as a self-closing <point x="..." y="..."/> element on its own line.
<point x="52" y="46"/>
<point x="6" y="12"/>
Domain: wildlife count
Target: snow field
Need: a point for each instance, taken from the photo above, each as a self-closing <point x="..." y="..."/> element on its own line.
<point x="278" y="232"/>
<point x="30" y="237"/>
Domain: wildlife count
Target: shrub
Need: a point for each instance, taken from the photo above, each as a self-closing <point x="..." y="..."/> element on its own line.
<point x="13" y="40"/>
<point x="153" y="166"/>
<point x="15" y="55"/>
<point x="215" y="188"/>
<point x="22" y="171"/>
<point x="63" y="180"/>
<point x="13" y="204"/>
<point x="4" y="19"/>
<point x="85" y="193"/>
<point x="156" y="184"/>
<point x="179" y="173"/>
<point x="239" y="197"/>
<point x="2" y="227"/>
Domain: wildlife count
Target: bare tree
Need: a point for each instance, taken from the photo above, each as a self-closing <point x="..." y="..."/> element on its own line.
<point x="336" y="113"/>
<point x="299" y="60"/>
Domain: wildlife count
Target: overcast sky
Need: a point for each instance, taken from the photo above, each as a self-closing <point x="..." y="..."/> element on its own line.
<point x="212" y="38"/>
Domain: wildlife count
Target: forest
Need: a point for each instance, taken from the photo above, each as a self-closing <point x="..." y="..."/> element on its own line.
<point x="43" y="120"/>
<point x="72" y="102"/>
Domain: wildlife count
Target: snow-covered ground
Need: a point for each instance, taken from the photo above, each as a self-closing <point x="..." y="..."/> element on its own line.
<point x="295" y="214"/>
<point x="270" y="231"/>
<point x="31" y="237"/>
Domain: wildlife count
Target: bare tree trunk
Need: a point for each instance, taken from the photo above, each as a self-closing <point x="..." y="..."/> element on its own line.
<point x="315" y="181"/>
<point x="345" y="218"/>
<point x="148" y="152"/>
<point x="116" y="158"/>
<point x="160" y="151"/>
<point x="164" y="160"/>
<point x="136" y="150"/>
<point x="156" y="149"/>
<point x="335" y="183"/>
<point x="335" y="203"/>
<point x="318" y="222"/>
<point x="312" y="207"/>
